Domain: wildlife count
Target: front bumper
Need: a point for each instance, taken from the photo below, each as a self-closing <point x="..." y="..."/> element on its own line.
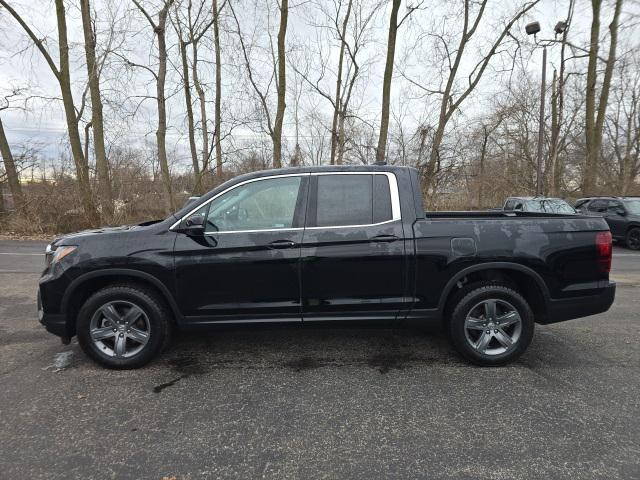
<point x="55" y="323"/>
<point x="559" y="310"/>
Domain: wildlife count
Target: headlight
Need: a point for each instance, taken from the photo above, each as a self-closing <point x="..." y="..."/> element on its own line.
<point x="54" y="255"/>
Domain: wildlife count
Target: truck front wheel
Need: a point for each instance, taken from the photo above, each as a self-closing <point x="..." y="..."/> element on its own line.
<point x="123" y="326"/>
<point x="491" y="324"/>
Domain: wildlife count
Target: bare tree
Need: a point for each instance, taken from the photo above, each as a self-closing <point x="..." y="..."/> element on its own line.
<point x="72" y="114"/>
<point x="217" y="123"/>
<point x="97" y="121"/>
<point x="279" y="67"/>
<point x="386" y="82"/>
<point x="449" y="104"/>
<point x="595" y="112"/>
<point x="13" y="178"/>
<point x="159" y="30"/>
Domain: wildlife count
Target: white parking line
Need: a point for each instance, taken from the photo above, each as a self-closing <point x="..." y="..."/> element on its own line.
<point x="15" y="253"/>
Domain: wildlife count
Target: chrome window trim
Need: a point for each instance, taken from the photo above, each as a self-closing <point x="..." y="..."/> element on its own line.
<point x="393" y="191"/>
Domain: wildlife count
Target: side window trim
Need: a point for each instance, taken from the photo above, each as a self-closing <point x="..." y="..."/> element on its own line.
<point x="208" y="202"/>
<point x="312" y="204"/>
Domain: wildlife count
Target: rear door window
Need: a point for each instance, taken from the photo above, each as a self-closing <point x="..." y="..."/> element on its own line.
<point x="344" y="200"/>
<point x="382" y="210"/>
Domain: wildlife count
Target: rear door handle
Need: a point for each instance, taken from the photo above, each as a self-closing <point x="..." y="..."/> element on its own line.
<point x="282" y="244"/>
<point x="384" y="238"/>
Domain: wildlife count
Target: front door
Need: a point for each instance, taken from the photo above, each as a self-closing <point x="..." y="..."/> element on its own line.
<point x="353" y="256"/>
<point x="246" y="267"/>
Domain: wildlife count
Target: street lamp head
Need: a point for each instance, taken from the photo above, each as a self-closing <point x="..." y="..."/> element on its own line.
<point x="532" y="28"/>
<point x="560" y="28"/>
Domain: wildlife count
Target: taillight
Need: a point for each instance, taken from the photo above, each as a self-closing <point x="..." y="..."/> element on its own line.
<point x="605" y="250"/>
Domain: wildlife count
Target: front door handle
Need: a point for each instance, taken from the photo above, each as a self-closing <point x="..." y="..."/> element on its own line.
<point x="282" y="244"/>
<point x="384" y="238"/>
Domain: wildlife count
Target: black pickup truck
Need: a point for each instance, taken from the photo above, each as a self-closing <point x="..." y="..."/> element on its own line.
<point x="325" y="244"/>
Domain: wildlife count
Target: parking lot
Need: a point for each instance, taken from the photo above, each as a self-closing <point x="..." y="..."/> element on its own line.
<point x="285" y="402"/>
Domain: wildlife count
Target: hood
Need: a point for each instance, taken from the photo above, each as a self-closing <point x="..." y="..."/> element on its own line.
<point x="70" y="237"/>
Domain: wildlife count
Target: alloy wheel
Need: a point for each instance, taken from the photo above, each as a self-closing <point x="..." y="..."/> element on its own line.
<point x="493" y="327"/>
<point x="119" y="329"/>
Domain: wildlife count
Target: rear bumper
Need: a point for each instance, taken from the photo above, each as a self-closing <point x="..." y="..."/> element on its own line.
<point x="582" y="306"/>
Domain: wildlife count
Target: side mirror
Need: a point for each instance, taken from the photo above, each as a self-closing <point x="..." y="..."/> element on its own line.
<point x="194" y="226"/>
<point x="622" y="212"/>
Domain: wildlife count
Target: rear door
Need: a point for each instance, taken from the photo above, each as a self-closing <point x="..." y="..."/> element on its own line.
<point x="353" y="248"/>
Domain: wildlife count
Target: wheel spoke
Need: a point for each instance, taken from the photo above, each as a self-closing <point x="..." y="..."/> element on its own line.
<point x="132" y="315"/>
<point x="483" y="341"/>
<point x="508" y="319"/>
<point x="120" y="346"/>
<point x="504" y="339"/>
<point x="99" y="334"/>
<point x="475" y="324"/>
<point x="137" y="335"/>
<point x="490" y="309"/>
<point x="111" y="314"/>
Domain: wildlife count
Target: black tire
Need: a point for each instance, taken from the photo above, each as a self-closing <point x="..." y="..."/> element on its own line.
<point x="159" y="324"/>
<point x="632" y="239"/>
<point x="468" y="299"/>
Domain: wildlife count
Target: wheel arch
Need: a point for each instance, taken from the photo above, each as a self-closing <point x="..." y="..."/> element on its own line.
<point x="522" y="278"/>
<point x="82" y="287"/>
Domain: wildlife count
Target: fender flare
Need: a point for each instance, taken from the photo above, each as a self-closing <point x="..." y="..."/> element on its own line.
<point x="121" y="272"/>
<point x="492" y="266"/>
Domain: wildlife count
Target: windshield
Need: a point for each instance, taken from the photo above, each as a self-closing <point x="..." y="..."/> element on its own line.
<point x="633" y="206"/>
<point x="550" y="206"/>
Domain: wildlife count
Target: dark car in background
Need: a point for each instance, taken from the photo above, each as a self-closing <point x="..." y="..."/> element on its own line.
<point x="539" y="205"/>
<point x="621" y="213"/>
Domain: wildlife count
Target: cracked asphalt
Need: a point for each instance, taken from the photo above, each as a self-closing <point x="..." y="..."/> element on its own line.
<point x="287" y="402"/>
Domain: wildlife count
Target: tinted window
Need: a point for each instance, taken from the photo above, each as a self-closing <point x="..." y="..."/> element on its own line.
<point x="344" y="200"/>
<point x="509" y="205"/>
<point x="381" y="199"/>
<point x="633" y="206"/>
<point x="581" y="203"/>
<point x="260" y="205"/>
<point x="550" y="206"/>
<point x="598" y="206"/>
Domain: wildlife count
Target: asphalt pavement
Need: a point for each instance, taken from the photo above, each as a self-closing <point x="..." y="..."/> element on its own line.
<point x="289" y="402"/>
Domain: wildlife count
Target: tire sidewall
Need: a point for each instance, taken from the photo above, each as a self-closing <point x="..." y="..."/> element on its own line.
<point x="142" y="299"/>
<point x="478" y="294"/>
<point x="626" y="240"/>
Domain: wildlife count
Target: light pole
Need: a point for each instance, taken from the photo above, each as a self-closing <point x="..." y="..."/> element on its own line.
<point x="532" y="29"/>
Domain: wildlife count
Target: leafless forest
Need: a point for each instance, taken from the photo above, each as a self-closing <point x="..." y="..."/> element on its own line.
<point x="156" y="100"/>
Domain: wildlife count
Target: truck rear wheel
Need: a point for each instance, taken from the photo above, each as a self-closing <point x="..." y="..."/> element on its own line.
<point x="491" y="324"/>
<point x="123" y="326"/>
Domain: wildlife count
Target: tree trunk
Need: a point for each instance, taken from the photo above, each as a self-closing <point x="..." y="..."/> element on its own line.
<point x="97" y="122"/>
<point x="386" y="82"/>
<point x="218" y="96"/>
<point x="336" y="104"/>
<point x="190" y="123"/>
<point x="161" y="133"/>
<point x="13" y="178"/>
<point x="203" y="116"/>
<point x="281" y="86"/>
<point x="595" y="115"/>
<point x="82" y="168"/>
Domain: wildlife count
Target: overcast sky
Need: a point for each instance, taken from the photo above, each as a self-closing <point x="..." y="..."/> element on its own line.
<point x="43" y="122"/>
